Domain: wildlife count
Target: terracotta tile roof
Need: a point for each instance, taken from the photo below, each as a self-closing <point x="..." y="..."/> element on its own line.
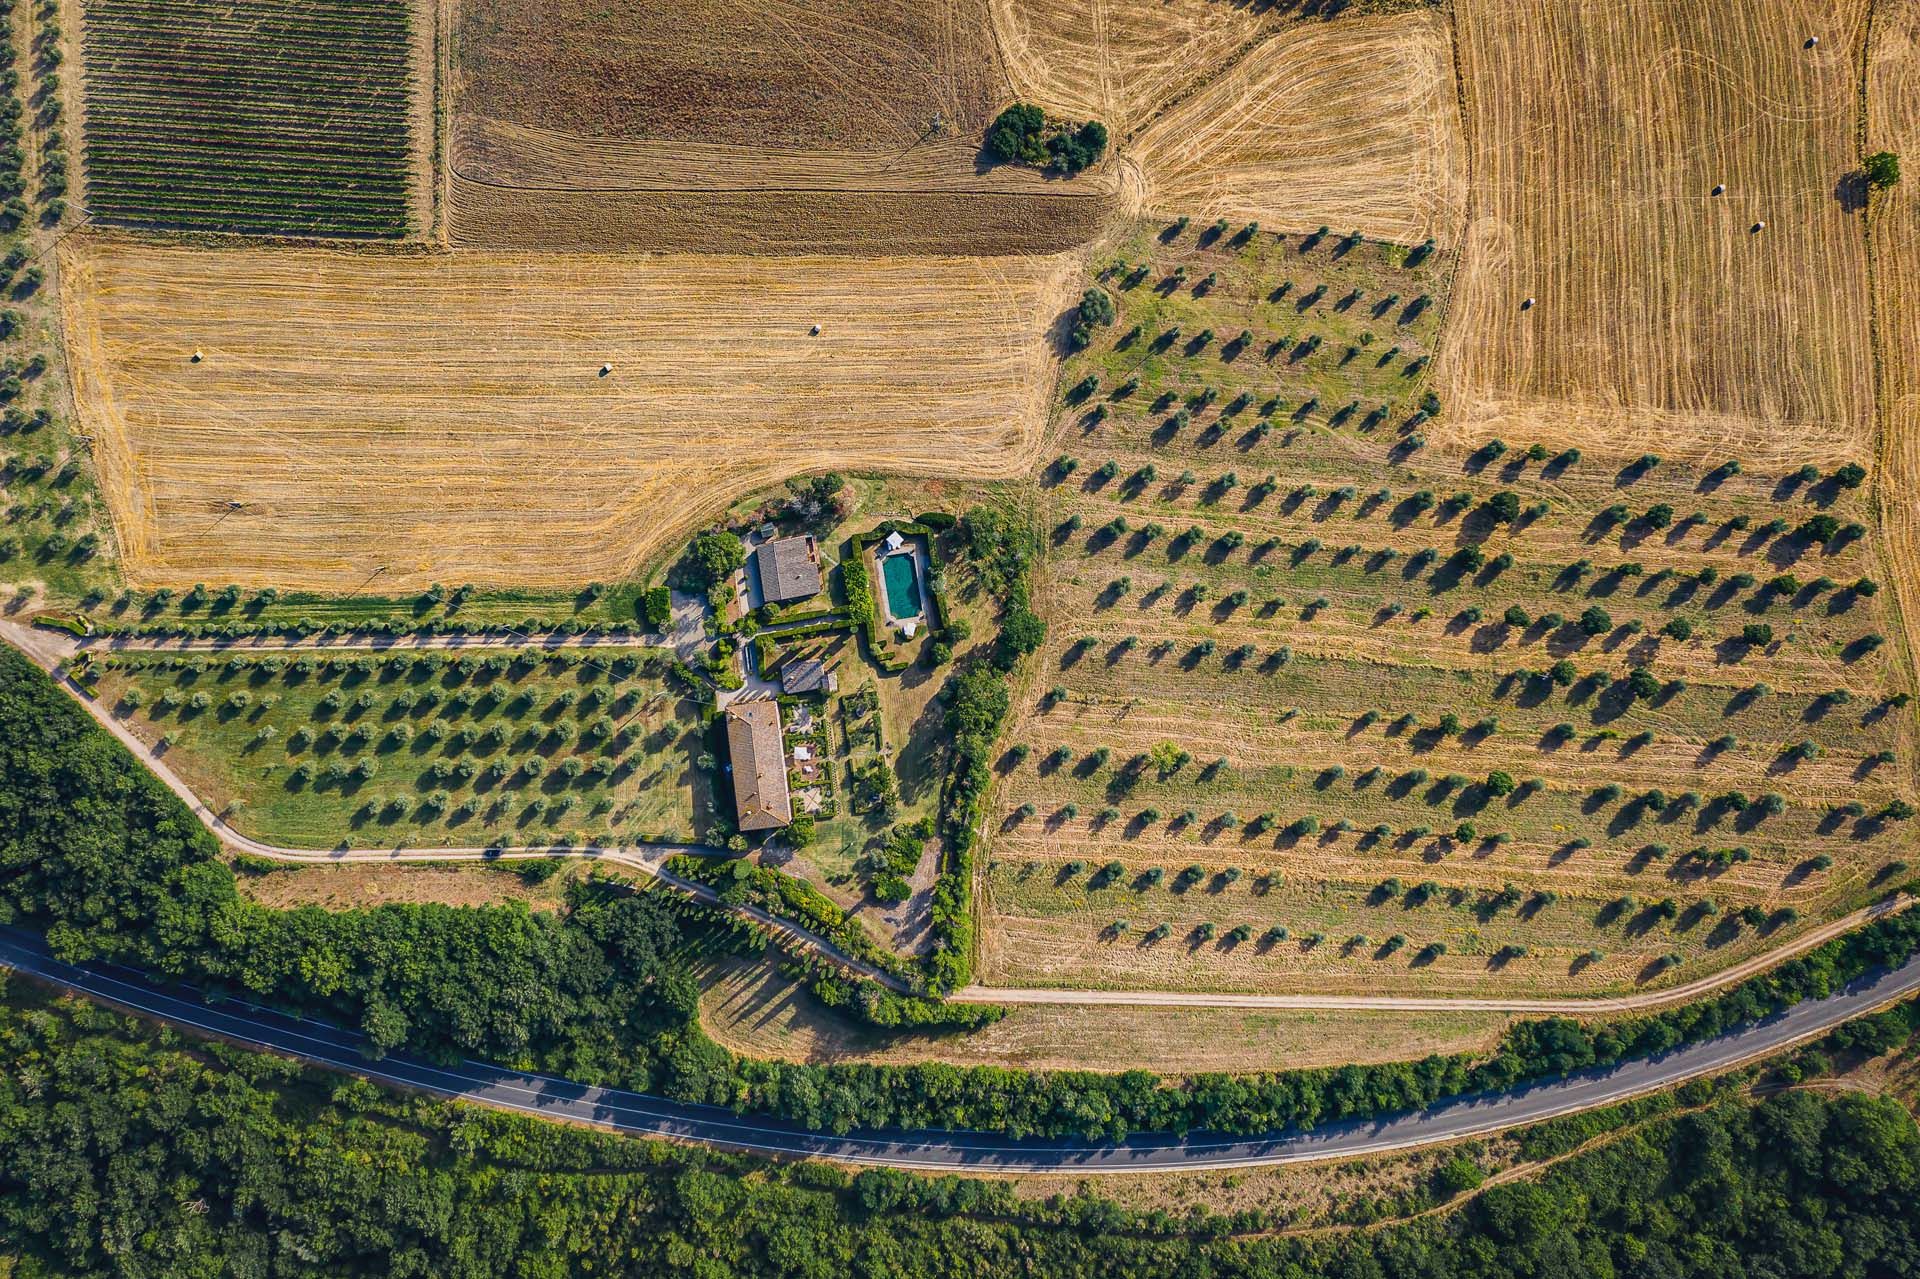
<point x="759" y="763"/>
<point x="789" y="569"/>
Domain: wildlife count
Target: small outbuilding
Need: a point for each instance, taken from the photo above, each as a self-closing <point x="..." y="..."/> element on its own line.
<point x="758" y="758"/>
<point x="789" y="569"/>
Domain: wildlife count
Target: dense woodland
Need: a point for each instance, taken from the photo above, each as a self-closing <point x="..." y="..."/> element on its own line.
<point x="95" y="851"/>
<point x="125" y="1152"/>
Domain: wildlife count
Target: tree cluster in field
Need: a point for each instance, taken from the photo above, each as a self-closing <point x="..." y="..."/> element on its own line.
<point x="712" y="557"/>
<point x="222" y="1162"/>
<point x="112" y="866"/>
<point x="1022" y="134"/>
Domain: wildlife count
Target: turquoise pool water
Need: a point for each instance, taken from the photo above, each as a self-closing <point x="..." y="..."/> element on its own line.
<point x="903" y="586"/>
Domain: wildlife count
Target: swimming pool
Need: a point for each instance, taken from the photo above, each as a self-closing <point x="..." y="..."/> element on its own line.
<point x="903" y="586"/>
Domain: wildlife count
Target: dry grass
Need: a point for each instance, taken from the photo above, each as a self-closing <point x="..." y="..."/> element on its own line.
<point x="1352" y="124"/>
<point x="415" y="418"/>
<point x="1893" y="124"/>
<point x="361" y="885"/>
<point x="1599" y="131"/>
<point x="423" y="189"/>
<point x="1296" y="638"/>
<point x="746" y="1007"/>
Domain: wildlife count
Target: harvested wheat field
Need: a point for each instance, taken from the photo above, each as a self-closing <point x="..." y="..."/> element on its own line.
<point x="770" y="128"/>
<point x="1664" y="321"/>
<point x="411" y="418"/>
<point x="1353" y="124"/>
<point x="1121" y="61"/>
<point x="866" y="224"/>
<point x="514" y="155"/>
<point x="836" y="73"/>
<point x="1893" y="124"/>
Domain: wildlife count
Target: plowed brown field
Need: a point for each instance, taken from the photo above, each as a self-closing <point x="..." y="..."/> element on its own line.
<point x="845" y="73"/>
<point x="1663" y="321"/>
<point x="768" y="127"/>
<point x="402" y="419"/>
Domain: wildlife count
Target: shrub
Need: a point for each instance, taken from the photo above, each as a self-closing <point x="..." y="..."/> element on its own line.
<point x="1096" y="309"/>
<point x="1882" y="170"/>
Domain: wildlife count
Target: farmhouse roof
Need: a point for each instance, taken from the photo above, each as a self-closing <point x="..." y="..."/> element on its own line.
<point x="789" y="569"/>
<point x="759" y="765"/>
<point x="804" y="675"/>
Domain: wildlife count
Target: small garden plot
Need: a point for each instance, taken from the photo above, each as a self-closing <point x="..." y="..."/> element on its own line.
<point x="275" y="116"/>
<point x="315" y="750"/>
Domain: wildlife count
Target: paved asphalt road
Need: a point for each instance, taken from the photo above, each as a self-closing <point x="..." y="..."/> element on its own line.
<point x="643" y="1115"/>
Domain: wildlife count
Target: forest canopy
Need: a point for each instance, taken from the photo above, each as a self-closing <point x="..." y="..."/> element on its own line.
<point x="211" y="1160"/>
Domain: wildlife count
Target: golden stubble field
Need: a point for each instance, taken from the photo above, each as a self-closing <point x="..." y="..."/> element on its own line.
<point x="399" y="419"/>
<point x="1663" y="321"/>
<point x="1352" y="124"/>
<point x="1893" y="124"/>
<point x="1122" y="61"/>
